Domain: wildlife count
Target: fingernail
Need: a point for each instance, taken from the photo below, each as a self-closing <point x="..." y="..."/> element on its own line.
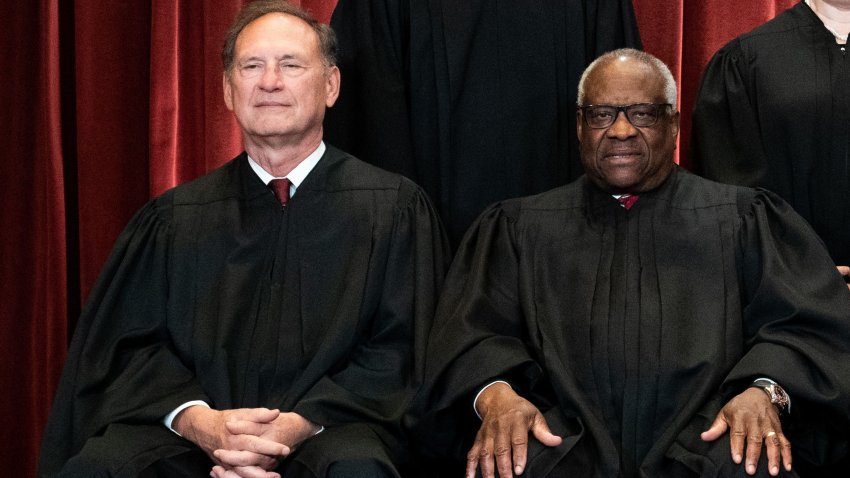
<point x="774" y="471"/>
<point x="751" y="468"/>
<point x="737" y="459"/>
<point x="518" y="470"/>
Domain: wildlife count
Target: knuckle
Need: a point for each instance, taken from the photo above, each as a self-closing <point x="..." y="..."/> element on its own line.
<point x="502" y="450"/>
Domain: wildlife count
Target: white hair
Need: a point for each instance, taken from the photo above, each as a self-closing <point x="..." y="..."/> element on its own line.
<point x="641" y="56"/>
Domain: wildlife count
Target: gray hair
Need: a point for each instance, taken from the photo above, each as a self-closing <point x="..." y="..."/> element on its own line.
<point x="257" y="9"/>
<point x="640" y="56"/>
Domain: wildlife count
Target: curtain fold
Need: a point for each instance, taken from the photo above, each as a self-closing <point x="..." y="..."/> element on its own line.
<point x="106" y="104"/>
<point x="33" y="296"/>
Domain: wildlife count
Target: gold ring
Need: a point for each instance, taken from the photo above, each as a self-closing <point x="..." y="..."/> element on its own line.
<point x="770" y="434"/>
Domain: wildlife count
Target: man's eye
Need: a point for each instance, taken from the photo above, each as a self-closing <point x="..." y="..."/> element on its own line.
<point x="600" y="114"/>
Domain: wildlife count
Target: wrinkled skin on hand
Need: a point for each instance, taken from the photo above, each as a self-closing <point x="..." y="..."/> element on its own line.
<point x="246" y="443"/>
<point x="289" y="429"/>
<point x="502" y="441"/>
<point x="753" y="423"/>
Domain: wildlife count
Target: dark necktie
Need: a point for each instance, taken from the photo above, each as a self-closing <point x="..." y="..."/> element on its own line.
<point x="628" y="200"/>
<point x="281" y="190"/>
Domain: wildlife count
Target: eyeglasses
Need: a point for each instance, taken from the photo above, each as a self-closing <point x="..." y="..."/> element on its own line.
<point x="640" y="115"/>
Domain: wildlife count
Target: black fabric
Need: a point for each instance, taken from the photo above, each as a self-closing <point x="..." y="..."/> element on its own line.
<point x="214" y="292"/>
<point x="631" y="328"/>
<point x="773" y="110"/>
<point x="474" y="99"/>
<point x="349" y="451"/>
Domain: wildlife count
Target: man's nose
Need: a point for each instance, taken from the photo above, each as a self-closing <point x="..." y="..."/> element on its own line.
<point x="622" y="127"/>
<point x="272" y="77"/>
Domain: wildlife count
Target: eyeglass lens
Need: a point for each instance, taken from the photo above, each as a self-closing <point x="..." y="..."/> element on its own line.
<point x="603" y="116"/>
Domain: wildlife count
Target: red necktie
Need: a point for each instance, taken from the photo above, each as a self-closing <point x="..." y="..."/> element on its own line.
<point x="628" y="200"/>
<point x="281" y="190"/>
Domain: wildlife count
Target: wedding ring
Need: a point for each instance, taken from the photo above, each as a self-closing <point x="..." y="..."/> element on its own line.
<point x="770" y="434"/>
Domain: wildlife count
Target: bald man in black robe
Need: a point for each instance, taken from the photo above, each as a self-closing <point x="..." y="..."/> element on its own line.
<point x="640" y="321"/>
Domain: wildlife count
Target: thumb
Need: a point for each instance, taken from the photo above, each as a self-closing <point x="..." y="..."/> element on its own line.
<point x="540" y="430"/>
<point x="256" y="415"/>
<point x="244" y="427"/>
<point x="717" y="429"/>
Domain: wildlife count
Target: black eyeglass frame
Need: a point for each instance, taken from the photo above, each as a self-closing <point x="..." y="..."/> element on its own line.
<point x="625" y="109"/>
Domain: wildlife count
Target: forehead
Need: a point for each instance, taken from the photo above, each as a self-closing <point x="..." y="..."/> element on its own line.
<point x="624" y="81"/>
<point x="274" y="32"/>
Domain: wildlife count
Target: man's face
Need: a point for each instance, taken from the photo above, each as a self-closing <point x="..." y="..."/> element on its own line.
<point x="279" y="86"/>
<point x="623" y="158"/>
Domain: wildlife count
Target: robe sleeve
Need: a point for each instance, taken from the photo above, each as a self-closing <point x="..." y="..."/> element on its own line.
<point x="479" y="335"/>
<point x="796" y="319"/>
<point x="727" y="141"/>
<point x="121" y="366"/>
<point x="377" y="383"/>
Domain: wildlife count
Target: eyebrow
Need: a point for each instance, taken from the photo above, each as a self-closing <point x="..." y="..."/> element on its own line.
<point x="287" y="56"/>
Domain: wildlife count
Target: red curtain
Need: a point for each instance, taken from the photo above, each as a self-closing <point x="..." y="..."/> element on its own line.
<point x="105" y="104"/>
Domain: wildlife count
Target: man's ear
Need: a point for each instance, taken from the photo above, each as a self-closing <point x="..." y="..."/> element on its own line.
<point x="332" y="86"/>
<point x="227" y="89"/>
<point x="578" y="123"/>
<point x="674" y="123"/>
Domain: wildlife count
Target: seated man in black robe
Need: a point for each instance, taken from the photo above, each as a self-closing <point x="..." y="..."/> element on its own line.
<point x="641" y="321"/>
<point x="272" y="334"/>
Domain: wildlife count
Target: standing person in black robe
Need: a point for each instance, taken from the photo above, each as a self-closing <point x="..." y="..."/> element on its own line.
<point x="277" y="335"/>
<point x="641" y="321"/>
<point x="450" y="92"/>
<point x="773" y="110"/>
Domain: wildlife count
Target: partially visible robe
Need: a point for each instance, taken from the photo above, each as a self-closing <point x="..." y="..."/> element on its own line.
<point x="213" y="292"/>
<point x="631" y="329"/>
<point x="773" y="110"/>
<point x="472" y="99"/>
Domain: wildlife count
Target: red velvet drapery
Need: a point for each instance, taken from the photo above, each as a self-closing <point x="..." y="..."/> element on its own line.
<point x="104" y="104"/>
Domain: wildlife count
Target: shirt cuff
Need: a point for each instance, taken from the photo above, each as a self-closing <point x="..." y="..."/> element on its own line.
<point x="170" y="417"/>
<point x="475" y="402"/>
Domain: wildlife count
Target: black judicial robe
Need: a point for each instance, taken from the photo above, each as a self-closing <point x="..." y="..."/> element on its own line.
<point x="472" y="99"/>
<point x="773" y="110"/>
<point x="631" y="329"/>
<point x="213" y="292"/>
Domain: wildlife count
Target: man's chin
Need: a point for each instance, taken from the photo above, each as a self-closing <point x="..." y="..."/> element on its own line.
<point x="620" y="182"/>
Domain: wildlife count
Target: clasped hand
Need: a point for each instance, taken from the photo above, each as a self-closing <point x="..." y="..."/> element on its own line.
<point x="752" y="422"/>
<point x="246" y="442"/>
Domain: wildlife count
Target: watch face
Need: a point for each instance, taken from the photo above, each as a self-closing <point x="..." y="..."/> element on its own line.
<point x="777" y="395"/>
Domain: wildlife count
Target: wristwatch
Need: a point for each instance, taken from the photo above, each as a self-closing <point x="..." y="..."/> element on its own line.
<point x="776" y="393"/>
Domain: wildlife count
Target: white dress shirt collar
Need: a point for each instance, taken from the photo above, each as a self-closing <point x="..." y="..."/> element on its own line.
<point x="298" y="174"/>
